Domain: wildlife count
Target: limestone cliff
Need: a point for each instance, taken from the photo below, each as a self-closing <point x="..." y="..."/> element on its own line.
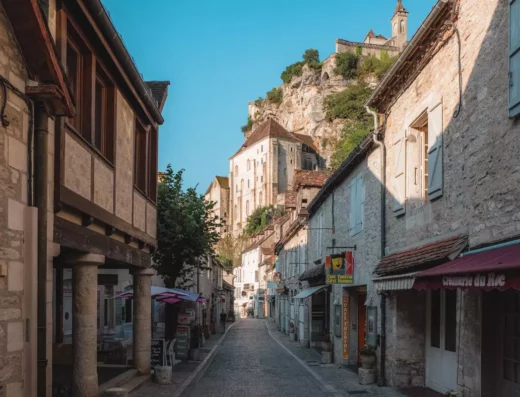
<point x="301" y="109"/>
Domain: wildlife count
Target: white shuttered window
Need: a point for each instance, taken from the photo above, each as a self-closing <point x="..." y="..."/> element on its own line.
<point x="357" y="205"/>
<point x="399" y="174"/>
<point x="435" y="163"/>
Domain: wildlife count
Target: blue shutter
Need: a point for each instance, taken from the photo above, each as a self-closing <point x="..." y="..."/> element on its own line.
<point x="514" y="58"/>
<point x="361" y="201"/>
<point x="399" y="174"/>
<point x="435" y="166"/>
<point x="353" y="207"/>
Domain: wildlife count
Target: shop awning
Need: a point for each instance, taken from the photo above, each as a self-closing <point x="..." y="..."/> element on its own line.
<point x="494" y="269"/>
<point x="400" y="282"/>
<point x="305" y="293"/>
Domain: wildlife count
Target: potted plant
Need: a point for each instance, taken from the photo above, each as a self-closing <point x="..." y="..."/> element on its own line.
<point x="326" y="344"/>
<point x="368" y="357"/>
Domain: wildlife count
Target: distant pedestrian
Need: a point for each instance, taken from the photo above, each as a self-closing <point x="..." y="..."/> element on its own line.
<point x="223" y="317"/>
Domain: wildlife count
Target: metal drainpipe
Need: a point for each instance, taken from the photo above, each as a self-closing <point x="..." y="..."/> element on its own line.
<point x="40" y="192"/>
<point x="381" y="144"/>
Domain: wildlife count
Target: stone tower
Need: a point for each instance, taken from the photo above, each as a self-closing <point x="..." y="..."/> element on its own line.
<point x="400" y="26"/>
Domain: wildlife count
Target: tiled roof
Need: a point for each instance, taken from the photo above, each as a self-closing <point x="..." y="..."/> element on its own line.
<point x="159" y="90"/>
<point x="271" y="128"/>
<point x="223" y="181"/>
<point x="314" y="272"/>
<point x="310" y="178"/>
<point x="422" y="257"/>
<point x="290" y="199"/>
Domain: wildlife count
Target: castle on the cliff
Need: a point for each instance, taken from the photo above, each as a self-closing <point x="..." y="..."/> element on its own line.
<point x="261" y="171"/>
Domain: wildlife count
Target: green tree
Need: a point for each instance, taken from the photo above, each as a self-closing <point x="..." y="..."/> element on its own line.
<point x="229" y="250"/>
<point x="346" y="65"/>
<point x="296" y="69"/>
<point x="249" y="126"/>
<point x="351" y="136"/>
<point x="348" y="104"/>
<point x="378" y="66"/>
<point x="311" y="55"/>
<point x="186" y="229"/>
<point x="275" y="95"/>
<point x="260" y="218"/>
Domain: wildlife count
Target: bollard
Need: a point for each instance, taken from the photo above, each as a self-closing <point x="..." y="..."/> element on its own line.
<point x="163" y="375"/>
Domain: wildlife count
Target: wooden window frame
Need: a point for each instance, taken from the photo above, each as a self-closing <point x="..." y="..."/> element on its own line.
<point x="146" y="160"/>
<point x="90" y="72"/>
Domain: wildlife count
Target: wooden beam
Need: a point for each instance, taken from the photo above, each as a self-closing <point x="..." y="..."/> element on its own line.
<point x="86" y="206"/>
<point x="87" y="220"/>
<point x="80" y="238"/>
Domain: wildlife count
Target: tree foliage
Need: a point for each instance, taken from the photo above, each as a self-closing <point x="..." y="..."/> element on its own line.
<point x="351" y="136"/>
<point x="275" y="95"/>
<point x="348" y="104"/>
<point x="249" y="126"/>
<point x="346" y="65"/>
<point x="186" y="229"/>
<point x="260" y="218"/>
<point x="229" y="250"/>
<point x="311" y="57"/>
<point x="378" y="66"/>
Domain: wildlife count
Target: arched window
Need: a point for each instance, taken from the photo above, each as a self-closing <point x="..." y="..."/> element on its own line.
<point x="236" y="170"/>
<point x="249" y="165"/>
<point x="401" y="26"/>
<point x="248" y="183"/>
<point x="236" y="211"/>
<point x="262" y="148"/>
<point x="247" y="208"/>
<point x="237" y="188"/>
<point x="241" y="185"/>
<point x="260" y="199"/>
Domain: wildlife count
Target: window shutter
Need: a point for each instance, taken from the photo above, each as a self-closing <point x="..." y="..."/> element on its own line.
<point x="361" y="204"/>
<point x="435" y="166"/>
<point x="399" y="177"/>
<point x="514" y="58"/>
<point x="353" y="207"/>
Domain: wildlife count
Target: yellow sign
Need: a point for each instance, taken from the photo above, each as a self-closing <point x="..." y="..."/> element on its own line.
<point x="346" y="317"/>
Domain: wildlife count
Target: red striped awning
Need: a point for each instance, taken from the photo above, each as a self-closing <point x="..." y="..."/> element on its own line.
<point x="495" y="269"/>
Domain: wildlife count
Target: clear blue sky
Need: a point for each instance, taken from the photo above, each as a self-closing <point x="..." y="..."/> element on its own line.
<point x="220" y="54"/>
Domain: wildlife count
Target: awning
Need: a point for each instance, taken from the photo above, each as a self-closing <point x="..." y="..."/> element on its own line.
<point x="157" y="292"/>
<point x="305" y="293"/>
<point x="494" y="269"/>
<point x="400" y="282"/>
<point x="315" y="272"/>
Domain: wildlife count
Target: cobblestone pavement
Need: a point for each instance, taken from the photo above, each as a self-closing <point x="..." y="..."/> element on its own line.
<point x="250" y="363"/>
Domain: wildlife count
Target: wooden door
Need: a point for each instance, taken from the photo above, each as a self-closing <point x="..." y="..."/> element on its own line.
<point x="362" y="323"/>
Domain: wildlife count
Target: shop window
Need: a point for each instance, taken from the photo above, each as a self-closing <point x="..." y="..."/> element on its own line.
<point x="450" y="331"/>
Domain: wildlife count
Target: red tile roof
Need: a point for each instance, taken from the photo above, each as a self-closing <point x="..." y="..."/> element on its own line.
<point x="310" y="178"/>
<point x="423" y="257"/>
<point x="271" y="128"/>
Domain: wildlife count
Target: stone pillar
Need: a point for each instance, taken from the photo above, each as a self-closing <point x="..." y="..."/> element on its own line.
<point x="84" y="328"/>
<point x="142" y="320"/>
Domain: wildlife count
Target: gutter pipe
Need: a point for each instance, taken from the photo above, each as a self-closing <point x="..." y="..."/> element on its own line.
<point x="110" y="33"/>
<point x="381" y="144"/>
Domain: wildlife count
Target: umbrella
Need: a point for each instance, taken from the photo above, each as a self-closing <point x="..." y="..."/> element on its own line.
<point x="156" y="292"/>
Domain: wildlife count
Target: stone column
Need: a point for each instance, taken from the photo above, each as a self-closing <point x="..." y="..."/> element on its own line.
<point x="84" y="329"/>
<point x="142" y="319"/>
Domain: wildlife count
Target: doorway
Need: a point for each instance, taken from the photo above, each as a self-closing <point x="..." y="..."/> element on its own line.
<point x="441" y="340"/>
<point x="508" y="379"/>
<point x="362" y="322"/>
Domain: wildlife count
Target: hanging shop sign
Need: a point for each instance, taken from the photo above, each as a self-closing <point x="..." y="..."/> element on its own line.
<point x="346" y="324"/>
<point x="339" y="268"/>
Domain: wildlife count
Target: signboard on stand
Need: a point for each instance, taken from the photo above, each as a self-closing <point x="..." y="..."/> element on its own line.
<point x="158" y="353"/>
<point x="183" y="342"/>
<point x="339" y="268"/>
<point x="346" y="324"/>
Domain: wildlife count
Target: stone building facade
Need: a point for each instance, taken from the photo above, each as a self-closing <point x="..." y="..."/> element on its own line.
<point x="218" y="192"/>
<point x="83" y="197"/>
<point x="452" y="183"/>
<point x="262" y="170"/>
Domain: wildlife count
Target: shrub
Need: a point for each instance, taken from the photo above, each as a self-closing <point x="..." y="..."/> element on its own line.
<point x="346" y="65"/>
<point x="351" y="136"/>
<point x="296" y="69"/>
<point x="311" y="55"/>
<point x="348" y="104"/>
<point x="378" y="66"/>
<point x="275" y="95"/>
<point x="260" y="218"/>
<point x="249" y="126"/>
